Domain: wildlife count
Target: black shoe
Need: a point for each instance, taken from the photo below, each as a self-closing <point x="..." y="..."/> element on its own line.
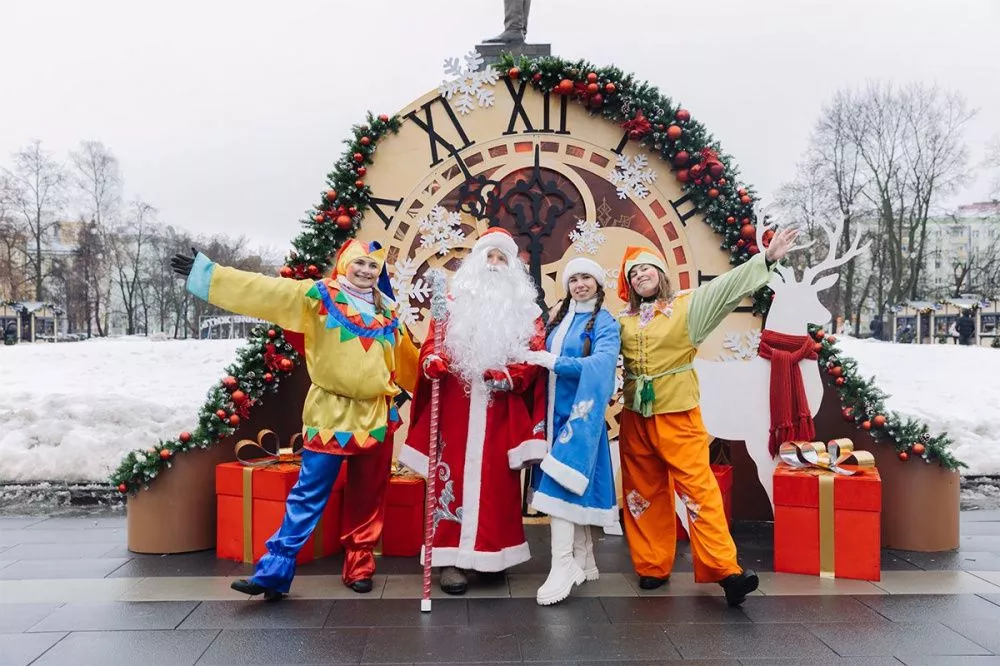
<point x="363" y="586"/>
<point x="253" y="589"/>
<point x="454" y="581"/>
<point x="652" y="582"/>
<point x="738" y="586"/>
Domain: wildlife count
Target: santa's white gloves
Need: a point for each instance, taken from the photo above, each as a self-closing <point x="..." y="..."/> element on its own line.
<point x="543" y="358"/>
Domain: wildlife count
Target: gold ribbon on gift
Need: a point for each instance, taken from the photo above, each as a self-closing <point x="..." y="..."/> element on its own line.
<point x="267" y="442"/>
<point x="836" y="457"/>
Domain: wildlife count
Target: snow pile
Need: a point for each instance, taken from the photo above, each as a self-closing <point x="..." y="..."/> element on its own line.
<point x="69" y="411"/>
<point x="953" y="389"/>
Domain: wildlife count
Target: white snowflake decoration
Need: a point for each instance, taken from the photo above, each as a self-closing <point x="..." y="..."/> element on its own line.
<point x="440" y="230"/>
<point x="468" y="85"/>
<point x="631" y="176"/>
<point x="741" y="346"/>
<point x="588" y="237"/>
<point x="407" y="291"/>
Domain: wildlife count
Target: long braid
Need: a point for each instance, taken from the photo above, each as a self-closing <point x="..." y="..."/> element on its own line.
<point x="559" y="316"/>
<point x="588" y="331"/>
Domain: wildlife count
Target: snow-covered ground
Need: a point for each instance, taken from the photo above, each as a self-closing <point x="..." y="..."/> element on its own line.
<point x="68" y="412"/>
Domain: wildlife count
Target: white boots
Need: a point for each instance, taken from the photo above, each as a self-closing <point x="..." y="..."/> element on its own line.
<point x="583" y="552"/>
<point x="565" y="572"/>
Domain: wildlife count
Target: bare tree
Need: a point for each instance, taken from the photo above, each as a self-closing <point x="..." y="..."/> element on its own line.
<point x="125" y="247"/>
<point x="13" y="244"/>
<point x="39" y="183"/>
<point x="992" y="163"/>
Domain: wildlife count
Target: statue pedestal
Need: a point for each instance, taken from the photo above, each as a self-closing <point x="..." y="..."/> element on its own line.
<point x="491" y="52"/>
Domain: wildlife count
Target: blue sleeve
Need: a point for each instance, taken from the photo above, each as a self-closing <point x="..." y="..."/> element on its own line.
<point x="200" y="277"/>
<point x="605" y="349"/>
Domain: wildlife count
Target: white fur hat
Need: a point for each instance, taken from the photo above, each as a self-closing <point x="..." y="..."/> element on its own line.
<point x="496" y="237"/>
<point x="583" y="265"/>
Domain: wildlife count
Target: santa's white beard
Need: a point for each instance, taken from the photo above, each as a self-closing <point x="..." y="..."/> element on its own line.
<point x="491" y="317"/>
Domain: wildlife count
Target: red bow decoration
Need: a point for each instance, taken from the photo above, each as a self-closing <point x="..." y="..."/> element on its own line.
<point x="638" y="127"/>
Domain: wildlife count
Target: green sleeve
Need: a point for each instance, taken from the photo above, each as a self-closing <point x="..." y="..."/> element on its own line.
<point x="714" y="300"/>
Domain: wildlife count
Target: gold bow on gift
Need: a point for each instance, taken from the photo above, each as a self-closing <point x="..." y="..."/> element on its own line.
<point x="274" y="453"/>
<point x="837" y="456"/>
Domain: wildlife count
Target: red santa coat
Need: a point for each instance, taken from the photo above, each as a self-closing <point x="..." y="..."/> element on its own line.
<point x="485" y="439"/>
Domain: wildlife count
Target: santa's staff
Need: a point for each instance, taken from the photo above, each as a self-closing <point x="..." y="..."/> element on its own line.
<point x="439" y="309"/>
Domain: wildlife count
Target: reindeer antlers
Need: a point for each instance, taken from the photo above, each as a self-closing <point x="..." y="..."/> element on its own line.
<point x="831" y="260"/>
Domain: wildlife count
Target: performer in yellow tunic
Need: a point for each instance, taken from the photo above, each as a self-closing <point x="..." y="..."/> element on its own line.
<point x="662" y="439"/>
<point x="357" y="355"/>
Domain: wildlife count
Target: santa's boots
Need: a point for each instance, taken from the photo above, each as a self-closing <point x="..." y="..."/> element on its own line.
<point x="583" y="552"/>
<point x="565" y="572"/>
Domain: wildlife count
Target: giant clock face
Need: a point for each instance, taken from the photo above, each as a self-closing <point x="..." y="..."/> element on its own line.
<point x="588" y="190"/>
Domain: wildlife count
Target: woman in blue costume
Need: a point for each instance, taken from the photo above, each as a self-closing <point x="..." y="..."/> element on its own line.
<point x="574" y="484"/>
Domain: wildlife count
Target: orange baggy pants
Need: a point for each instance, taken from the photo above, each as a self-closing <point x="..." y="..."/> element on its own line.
<point x="658" y="453"/>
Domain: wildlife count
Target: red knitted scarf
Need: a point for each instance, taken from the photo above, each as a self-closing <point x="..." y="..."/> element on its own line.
<point x="790" y="416"/>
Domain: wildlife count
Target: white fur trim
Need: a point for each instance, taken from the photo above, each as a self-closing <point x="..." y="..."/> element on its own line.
<point x="615" y="529"/>
<point x="528" y="452"/>
<point x="583" y="265"/>
<point x="499" y="241"/>
<point x="565" y="476"/>
<point x="413" y="459"/>
<point x="500" y="560"/>
<point x="479" y="397"/>
<point x="574" y="513"/>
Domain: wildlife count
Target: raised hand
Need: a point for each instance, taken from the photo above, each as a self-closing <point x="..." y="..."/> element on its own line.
<point x="781" y="243"/>
<point x="181" y="263"/>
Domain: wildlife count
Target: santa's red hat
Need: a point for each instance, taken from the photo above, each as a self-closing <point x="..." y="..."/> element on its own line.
<point x="496" y="238"/>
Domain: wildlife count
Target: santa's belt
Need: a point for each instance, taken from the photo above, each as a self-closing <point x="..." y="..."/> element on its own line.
<point x="645" y="395"/>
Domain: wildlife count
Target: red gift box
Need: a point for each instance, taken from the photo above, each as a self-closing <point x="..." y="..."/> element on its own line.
<point x="403" y="532"/>
<point x="251" y="506"/>
<point x="724" y="475"/>
<point x="827" y="524"/>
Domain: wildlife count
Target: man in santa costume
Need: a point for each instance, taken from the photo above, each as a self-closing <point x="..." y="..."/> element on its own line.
<point x="492" y="412"/>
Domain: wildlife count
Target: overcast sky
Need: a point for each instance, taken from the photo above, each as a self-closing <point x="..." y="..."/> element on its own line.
<point x="227" y="115"/>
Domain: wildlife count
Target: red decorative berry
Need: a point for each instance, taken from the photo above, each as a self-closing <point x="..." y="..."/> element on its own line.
<point x="271" y="333"/>
<point x="286" y="364"/>
<point x="352" y="211"/>
<point x="716" y="169"/>
<point x="318" y="218"/>
<point x="904" y="456"/>
<point x="285" y="271"/>
<point x="836" y="371"/>
<point x="878" y="421"/>
<point x="840" y="381"/>
<point x="593" y="88"/>
<point x="220" y="413"/>
<point x="741" y="191"/>
<point x="681" y="158"/>
<point x="537" y="77"/>
<point x="331" y="195"/>
<point x="164" y="454"/>
<point x="682" y="115"/>
<point x="866" y="425"/>
<point x="722" y="181"/>
<point x="730" y="220"/>
<point x="745" y="200"/>
<point x="609" y="88"/>
<point x="312" y="270"/>
<point x="361" y="171"/>
<point x="674" y="132"/>
<point x="229" y="382"/>
<point x="366" y="141"/>
<point x="384" y="118"/>
<point x="819" y="334"/>
<point x="234" y="420"/>
<point x="847" y="413"/>
<point x="831" y="338"/>
<point x="592" y="77"/>
<point x="597" y="100"/>
<point x="268" y="378"/>
<point x="514" y="73"/>
<point x="683" y="175"/>
<point x="696" y="170"/>
<point x="918" y="449"/>
<point x="185" y="437"/>
<point x="122" y="488"/>
<point x="713" y="193"/>
<point x="360" y="184"/>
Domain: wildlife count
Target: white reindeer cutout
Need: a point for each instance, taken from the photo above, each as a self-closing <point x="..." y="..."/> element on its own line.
<point x="735" y="395"/>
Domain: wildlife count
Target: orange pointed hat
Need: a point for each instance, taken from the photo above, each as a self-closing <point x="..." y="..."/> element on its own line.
<point x="633" y="257"/>
<point x="354" y="249"/>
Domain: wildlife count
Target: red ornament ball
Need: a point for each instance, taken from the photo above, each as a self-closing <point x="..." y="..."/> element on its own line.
<point x="716" y="169"/>
<point x="514" y="73"/>
<point x="344" y="221"/>
<point x="360" y="184"/>
<point x="537" y="77"/>
<point x="362" y="171"/>
<point x="748" y="231"/>
<point x="740" y="243"/>
<point x="597" y="100"/>
<point x="358" y="157"/>
<point x="318" y="218"/>
<point x="817" y="347"/>
<point x="681" y="158"/>
<point x="730" y="220"/>
<point x="271" y="333"/>
<point x="609" y="88"/>
<point x="674" y="132"/>
<point x="234" y="420"/>
<point x="904" y="456"/>
<point x="229" y="382"/>
<point x="847" y="413"/>
<point x="352" y="211"/>
<point x="565" y="87"/>
<point x="164" y="454"/>
<point x="593" y="88"/>
<point x="840" y="381"/>
<point x="220" y="413"/>
<point x="682" y="115"/>
<point x="268" y="377"/>
<point x="239" y="397"/>
<point x="741" y="191"/>
<point x="366" y="141"/>
<point x="753" y="249"/>
<point x="696" y="170"/>
<point x="836" y="371"/>
<point x="866" y="425"/>
<point x="832" y="338"/>
<point x="122" y="488"/>
<point x="286" y="364"/>
<point x="713" y="193"/>
<point x="312" y="270"/>
<point x="745" y="200"/>
<point x="878" y="421"/>
<point x="819" y="334"/>
<point x="185" y="437"/>
<point x="683" y="175"/>
<point x="722" y="181"/>
<point x="592" y="77"/>
<point x="918" y="449"/>
<point x="383" y="117"/>
<point x="285" y="271"/>
<point x="331" y="195"/>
